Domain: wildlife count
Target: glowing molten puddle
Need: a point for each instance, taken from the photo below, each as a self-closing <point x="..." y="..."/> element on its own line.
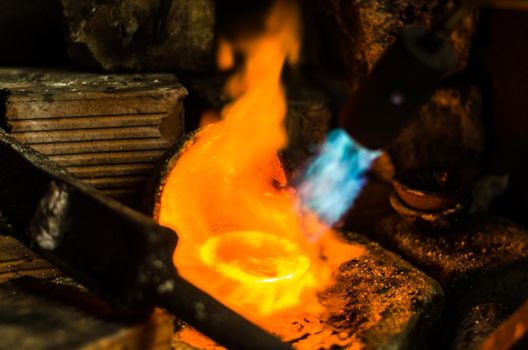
<point x="253" y="257"/>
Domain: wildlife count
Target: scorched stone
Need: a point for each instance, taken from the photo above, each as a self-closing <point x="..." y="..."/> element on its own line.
<point x="483" y="260"/>
<point x="107" y="130"/>
<point x="141" y="35"/>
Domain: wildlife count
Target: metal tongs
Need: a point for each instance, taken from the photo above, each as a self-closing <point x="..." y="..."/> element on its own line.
<point x="113" y="250"/>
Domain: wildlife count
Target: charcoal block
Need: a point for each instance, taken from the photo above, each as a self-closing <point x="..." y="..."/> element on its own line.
<point x="381" y="301"/>
<point x="512" y="334"/>
<point x="477" y="324"/>
<point x="482" y="260"/>
<point x="107" y="130"/>
<point x="140" y="35"/>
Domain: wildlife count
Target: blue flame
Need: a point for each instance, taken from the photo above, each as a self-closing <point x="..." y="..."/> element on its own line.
<point x="334" y="178"/>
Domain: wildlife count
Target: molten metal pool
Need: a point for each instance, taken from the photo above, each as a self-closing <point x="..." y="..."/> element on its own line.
<point x="252" y="257"/>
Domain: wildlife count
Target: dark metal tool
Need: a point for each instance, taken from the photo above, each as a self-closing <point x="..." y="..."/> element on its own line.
<point x="116" y="252"/>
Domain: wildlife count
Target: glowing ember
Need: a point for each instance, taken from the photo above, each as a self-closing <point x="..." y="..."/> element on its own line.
<point x="242" y="237"/>
<point x="254" y="257"/>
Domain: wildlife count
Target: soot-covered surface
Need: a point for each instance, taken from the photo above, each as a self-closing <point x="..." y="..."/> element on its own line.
<point x="481" y="247"/>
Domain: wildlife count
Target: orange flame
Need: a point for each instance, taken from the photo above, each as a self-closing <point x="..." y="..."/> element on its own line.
<point x="242" y="238"/>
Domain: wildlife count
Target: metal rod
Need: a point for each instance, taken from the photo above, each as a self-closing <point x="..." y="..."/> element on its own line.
<point x="215" y="320"/>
